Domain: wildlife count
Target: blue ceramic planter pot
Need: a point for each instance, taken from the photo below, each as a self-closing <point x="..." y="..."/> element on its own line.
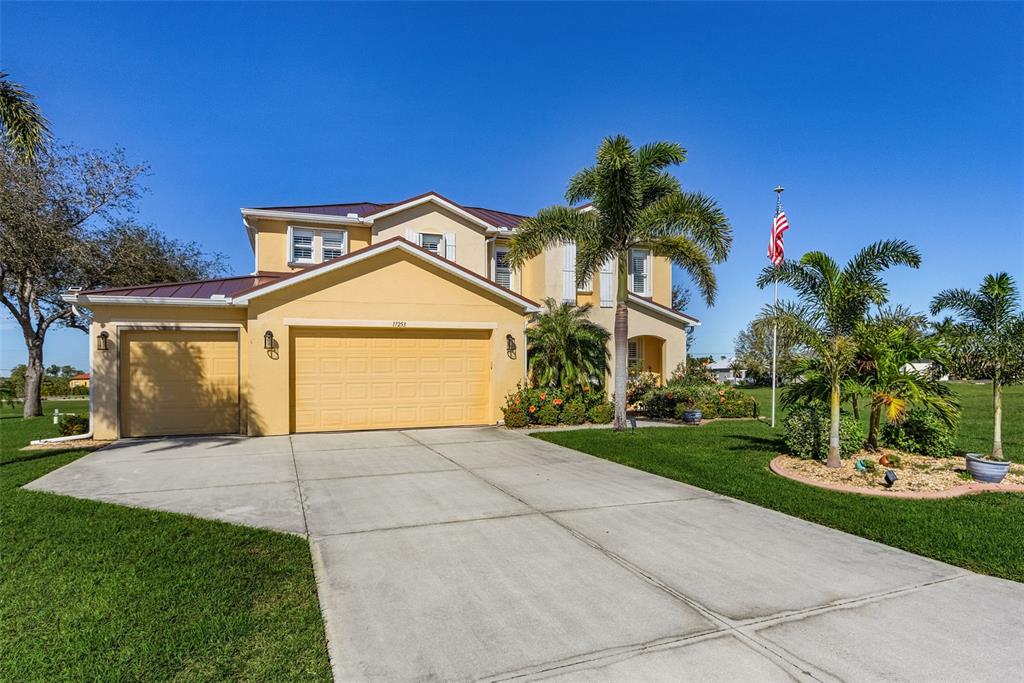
<point x="692" y="417"/>
<point x="989" y="471"/>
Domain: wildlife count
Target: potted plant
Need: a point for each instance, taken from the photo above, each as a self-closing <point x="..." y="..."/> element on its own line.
<point x="987" y="469"/>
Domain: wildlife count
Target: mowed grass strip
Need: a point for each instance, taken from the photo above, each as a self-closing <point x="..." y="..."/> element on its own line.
<point x="95" y="591"/>
<point x="978" y="532"/>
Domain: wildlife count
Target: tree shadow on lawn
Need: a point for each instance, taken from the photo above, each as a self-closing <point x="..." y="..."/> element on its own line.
<point x="747" y="442"/>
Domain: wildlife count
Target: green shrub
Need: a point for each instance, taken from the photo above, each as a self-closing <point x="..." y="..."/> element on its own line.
<point x="547" y="414"/>
<point x="602" y="413"/>
<point x="744" y="406"/>
<point x="661" y="402"/>
<point x="70" y="425"/>
<point x="515" y="417"/>
<point x="708" y="409"/>
<point x="807" y="429"/>
<point x="922" y="432"/>
<point x="574" y="412"/>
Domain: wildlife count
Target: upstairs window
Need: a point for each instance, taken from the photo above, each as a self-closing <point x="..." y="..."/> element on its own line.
<point x="302" y="246"/>
<point x="502" y="270"/>
<point x="431" y="242"/>
<point x="306" y="245"/>
<point x="333" y="244"/>
<point x="639" y="272"/>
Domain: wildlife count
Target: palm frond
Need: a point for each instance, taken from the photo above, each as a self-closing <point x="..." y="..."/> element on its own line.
<point x="22" y="124"/>
<point x="551" y="226"/>
<point x="692" y="214"/>
<point x="690" y="257"/>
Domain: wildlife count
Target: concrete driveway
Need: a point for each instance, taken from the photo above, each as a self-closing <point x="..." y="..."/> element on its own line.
<point x="477" y="553"/>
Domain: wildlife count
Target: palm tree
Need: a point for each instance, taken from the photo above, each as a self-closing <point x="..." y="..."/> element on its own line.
<point x="883" y="370"/>
<point x="993" y="319"/>
<point x="22" y="124"/>
<point x="636" y="203"/>
<point x="832" y="301"/>
<point x="565" y="348"/>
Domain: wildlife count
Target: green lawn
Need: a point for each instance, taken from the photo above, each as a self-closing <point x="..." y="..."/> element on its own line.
<point x="91" y="591"/>
<point x="979" y="532"/>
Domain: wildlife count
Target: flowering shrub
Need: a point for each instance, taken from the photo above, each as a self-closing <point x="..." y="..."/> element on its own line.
<point x="639" y="384"/>
<point x="602" y="413"/>
<point x="528" y="406"/>
<point x="574" y="412"/>
<point x="713" y="400"/>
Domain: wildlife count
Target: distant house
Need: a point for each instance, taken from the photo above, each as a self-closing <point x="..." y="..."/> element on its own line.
<point x="923" y="367"/>
<point x="723" y="371"/>
<point x="79" y="380"/>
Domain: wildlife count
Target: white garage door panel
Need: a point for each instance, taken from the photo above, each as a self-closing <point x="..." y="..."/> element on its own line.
<point x="382" y="379"/>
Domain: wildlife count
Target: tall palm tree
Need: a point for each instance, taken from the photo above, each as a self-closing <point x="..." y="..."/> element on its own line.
<point x="992" y="317"/>
<point x="831" y="302"/>
<point x="22" y="124"/>
<point x="636" y="203"/>
<point x="565" y="348"/>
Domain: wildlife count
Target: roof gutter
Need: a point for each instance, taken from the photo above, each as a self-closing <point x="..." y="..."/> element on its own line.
<point x="300" y="216"/>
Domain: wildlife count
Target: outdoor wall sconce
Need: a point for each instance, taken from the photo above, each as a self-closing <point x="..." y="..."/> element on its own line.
<point x="101" y="340"/>
<point x="510" y="345"/>
<point x="268" y="340"/>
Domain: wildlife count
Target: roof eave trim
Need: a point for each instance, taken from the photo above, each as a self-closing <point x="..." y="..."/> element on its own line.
<point x="401" y="244"/>
<point x="302" y="216"/>
<point x="644" y="303"/>
<point x="125" y="300"/>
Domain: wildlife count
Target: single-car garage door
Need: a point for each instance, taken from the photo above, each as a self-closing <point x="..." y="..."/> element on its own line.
<point x="179" y="382"/>
<point x="384" y="378"/>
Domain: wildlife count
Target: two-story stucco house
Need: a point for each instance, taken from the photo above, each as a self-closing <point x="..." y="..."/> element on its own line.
<point x="357" y="316"/>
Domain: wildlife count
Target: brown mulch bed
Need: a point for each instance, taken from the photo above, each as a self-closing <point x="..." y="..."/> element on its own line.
<point x="919" y="476"/>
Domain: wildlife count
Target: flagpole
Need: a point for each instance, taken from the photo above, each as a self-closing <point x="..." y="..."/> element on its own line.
<point x="775" y="304"/>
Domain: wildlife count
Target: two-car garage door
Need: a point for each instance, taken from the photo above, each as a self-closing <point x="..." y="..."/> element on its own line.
<point x="386" y="378"/>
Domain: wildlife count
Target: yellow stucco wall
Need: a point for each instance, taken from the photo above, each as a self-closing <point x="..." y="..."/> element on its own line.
<point x="470" y="239"/>
<point x="661" y="284"/>
<point x="389" y="288"/>
<point x="272" y="241"/>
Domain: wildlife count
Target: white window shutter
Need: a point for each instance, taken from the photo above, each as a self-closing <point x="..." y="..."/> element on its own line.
<point x="607" y="283"/>
<point x="640" y="278"/>
<point x="569" y="273"/>
<point x="412" y="236"/>
<point x="449" y="246"/>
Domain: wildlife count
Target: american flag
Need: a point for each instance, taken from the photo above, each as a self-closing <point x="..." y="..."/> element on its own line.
<point x="780" y="225"/>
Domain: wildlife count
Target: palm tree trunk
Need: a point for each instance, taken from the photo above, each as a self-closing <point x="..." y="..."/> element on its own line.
<point x="873" y="424"/>
<point x="997" y="409"/>
<point x="621" y="339"/>
<point x="833" y="432"/>
<point x="855" y="404"/>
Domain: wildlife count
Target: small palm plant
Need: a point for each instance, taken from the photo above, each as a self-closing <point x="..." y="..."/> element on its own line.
<point x="993" y="319"/>
<point x="635" y="203"/>
<point x="565" y="348"/>
<point x="832" y="301"/>
<point x="883" y="370"/>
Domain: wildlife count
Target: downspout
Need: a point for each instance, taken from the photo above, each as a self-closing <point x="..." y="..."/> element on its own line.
<point x="75" y="437"/>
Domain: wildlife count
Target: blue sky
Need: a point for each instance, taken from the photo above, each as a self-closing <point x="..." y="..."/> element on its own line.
<point x="884" y="120"/>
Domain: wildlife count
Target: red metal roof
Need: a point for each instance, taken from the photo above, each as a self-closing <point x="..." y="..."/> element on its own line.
<point x="499" y="219"/>
<point x="196" y="289"/>
<point x="81" y="375"/>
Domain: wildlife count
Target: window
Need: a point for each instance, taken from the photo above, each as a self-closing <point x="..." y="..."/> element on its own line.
<point x="502" y="270"/>
<point x="306" y="245"/>
<point x="302" y="246"/>
<point x="333" y="244"/>
<point x="639" y="277"/>
<point x="431" y="242"/>
<point x="634" y="357"/>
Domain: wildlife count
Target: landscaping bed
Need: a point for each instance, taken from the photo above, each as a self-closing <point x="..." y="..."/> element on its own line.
<point x="915" y="474"/>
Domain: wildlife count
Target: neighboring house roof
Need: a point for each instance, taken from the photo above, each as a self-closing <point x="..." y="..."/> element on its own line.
<point x="239" y="290"/>
<point x="503" y="220"/>
<point x="722" y="364"/>
<point x="81" y="375"/>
